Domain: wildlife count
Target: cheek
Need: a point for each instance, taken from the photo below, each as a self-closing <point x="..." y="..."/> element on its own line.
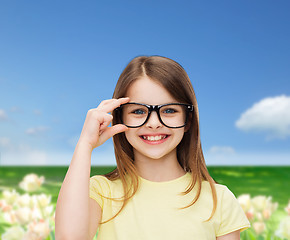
<point x="130" y="136"/>
<point x="179" y="136"/>
<point x="179" y="133"/>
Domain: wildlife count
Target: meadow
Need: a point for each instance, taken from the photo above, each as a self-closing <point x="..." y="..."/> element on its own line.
<point x="253" y="180"/>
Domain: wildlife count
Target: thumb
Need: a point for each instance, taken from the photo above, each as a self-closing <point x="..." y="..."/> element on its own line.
<point x="111" y="131"/>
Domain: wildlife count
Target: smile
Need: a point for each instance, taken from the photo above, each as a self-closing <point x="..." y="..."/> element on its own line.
<point x="154" y="138"/>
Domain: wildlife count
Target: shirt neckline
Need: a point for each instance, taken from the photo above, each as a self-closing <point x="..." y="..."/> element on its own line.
<point x="166" y="182"/>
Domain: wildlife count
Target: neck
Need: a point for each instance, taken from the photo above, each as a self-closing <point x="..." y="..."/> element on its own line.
<point x="158" y="170"/>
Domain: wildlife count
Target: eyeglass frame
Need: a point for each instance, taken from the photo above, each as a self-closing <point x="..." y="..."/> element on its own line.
<point x="156" y="108"/>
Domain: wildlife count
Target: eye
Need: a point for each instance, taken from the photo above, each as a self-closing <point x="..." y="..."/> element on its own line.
<point x="138" y="111"/>
<point x="169" y="110"/>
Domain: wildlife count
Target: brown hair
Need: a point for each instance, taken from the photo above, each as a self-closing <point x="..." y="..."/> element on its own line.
<point x="175" y="80"/>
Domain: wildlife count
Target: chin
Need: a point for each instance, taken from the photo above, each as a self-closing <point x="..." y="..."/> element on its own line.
<point x="153" y="155"/>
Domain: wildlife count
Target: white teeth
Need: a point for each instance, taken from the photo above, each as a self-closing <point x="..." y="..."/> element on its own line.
<point x="154" y="138"/>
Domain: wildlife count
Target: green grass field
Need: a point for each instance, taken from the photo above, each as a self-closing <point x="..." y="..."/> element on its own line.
<point x="11" y="176"/>
<point x="267" y="181"/>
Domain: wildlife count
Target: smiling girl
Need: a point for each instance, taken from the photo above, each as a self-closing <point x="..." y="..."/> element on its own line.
<point x="161" y="188"/>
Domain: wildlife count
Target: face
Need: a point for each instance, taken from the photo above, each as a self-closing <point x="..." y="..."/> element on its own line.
<point x="152" y="140"/>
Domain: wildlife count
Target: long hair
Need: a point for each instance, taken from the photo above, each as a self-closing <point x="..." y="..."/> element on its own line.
<point x="175" y="80"/>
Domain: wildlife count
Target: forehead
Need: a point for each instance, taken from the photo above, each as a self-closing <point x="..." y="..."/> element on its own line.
<point x="145" y="90"/>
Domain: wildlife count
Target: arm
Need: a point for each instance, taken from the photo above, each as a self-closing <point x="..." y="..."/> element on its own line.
<point x="230" y="236"/>
<point x="73" y="208"/>
<point x="77" y="216"/>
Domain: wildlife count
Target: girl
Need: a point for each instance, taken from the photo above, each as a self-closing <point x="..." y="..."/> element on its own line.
<point x="161" y="188"/>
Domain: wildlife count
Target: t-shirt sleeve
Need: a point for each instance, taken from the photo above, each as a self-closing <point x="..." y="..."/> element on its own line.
<point x="232" y="215"/>
<point x="99" y="188"/>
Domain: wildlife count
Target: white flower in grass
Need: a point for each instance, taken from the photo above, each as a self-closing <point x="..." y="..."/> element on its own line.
<point x="287" y="208"/>
<point x="259" y="202"/>
<point x="31" y="182"/>
<point x="284" y="228"/>
<point x="30" y="236"/>
<point x="250" y="214"/>
<point x="264" y="207"/>
<point x="43" y="200"/>
<point x="259" y="216"/>
<point x="41" y="208"/>
<point x="259" y="227"/>
<point x="10" y="217"/>
<point x="4" y="206"/>
<point x="245" y="202"/>
<point x="24" y="201"/>
<point x="48" y="211"/>
<point x="10" y="196"/>
<point x="39" y="229"/>
<point x="36" y="213"/>
<point x="13" y="233"/>
<point x="52" y="218"/>
<point x="23" y="215"/>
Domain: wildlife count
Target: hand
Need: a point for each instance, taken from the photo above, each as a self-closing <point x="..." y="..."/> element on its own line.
<point x="95" y="130"/>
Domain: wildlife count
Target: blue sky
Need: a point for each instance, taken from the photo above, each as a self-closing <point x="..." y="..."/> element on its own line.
<point x="58" y="59"/>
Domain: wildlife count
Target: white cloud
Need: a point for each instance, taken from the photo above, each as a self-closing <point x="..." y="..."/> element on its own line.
<point x="21" y="154"/>
<point x="37" y="112"/>
<point x="220" y="154"/>
<point x="270" y="115"/>
<point x="5" y="142"/>
<point x="15" y="109"/>
<point x="32" y="157"/>
<point x="40" y="157"/>
<point x="3" y="115"/>
<point x="26" y="155"/>
<point x="227" y="155"/>
<point x="36" y="130"/>
<point x="7" y="145"/>
<point x="221" y="150"/>
<point x="248" y="158"/>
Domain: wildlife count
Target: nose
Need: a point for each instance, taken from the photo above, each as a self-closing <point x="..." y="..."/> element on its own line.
<point x="153" y="121"/>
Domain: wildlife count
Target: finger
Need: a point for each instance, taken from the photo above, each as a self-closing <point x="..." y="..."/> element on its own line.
<point x="107" y="119"/>
<point x="110" y="105"/>
<point x="111" y="131"/>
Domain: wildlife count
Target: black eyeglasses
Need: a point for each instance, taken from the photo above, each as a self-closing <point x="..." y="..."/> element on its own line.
<point x="171" y="115"/>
